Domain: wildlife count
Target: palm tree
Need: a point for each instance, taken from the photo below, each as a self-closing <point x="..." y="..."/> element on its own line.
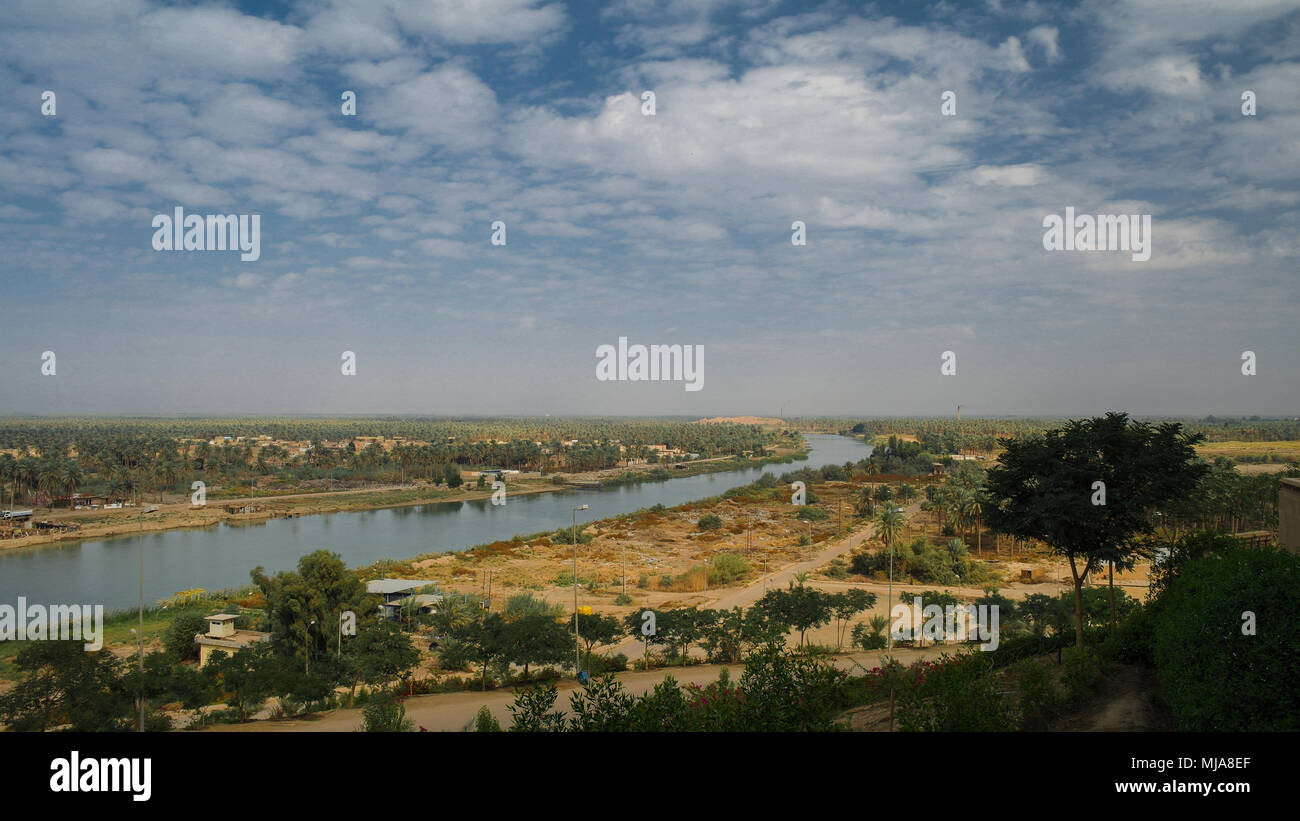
<point x="972" y="510"/>
<point x="889" y="525"/>
<point x="864" y="505"/>
<point x="70" y="477"/>
<point x="8" y="475"/>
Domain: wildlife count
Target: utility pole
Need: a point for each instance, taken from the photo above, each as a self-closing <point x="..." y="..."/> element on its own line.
<point x="577" y="641"/>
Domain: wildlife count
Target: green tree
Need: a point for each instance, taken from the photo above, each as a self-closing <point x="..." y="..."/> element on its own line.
<point x="847" y="605"/>
<point x="304" y="606"/>
<point x="799" y="607"/>
<point x="595" y="630"/>
<point x="380" y="653"/>
<point x="246" y="678"/>
<point x="178" y="639"/>
<point x="534" y="639"/>
<point x="1044" y="488"/>
<point x="62" y="684"/>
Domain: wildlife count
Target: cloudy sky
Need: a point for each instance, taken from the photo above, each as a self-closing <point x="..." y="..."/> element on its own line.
<point x="924" y="231"/>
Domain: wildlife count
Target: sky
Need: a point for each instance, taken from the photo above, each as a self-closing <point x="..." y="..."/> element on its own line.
<point x="924" y="230"/>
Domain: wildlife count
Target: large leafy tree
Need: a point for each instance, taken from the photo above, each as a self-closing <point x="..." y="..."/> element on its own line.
<point x="380" y="653"/>
<point x="305" y="605"/>
<point x="65" y="685"/>
<point x="534" y="639"/>
<point x="1043" y="487"/>
<point x="594" y="630"/>
<point x="800" y="607"/>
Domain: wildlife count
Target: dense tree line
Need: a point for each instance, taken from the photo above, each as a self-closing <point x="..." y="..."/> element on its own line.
<point x="129" y="458"/>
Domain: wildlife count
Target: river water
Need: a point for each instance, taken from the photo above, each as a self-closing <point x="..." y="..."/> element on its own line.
<point x="106" y="571"/>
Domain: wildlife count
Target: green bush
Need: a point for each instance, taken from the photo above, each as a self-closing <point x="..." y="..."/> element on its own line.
<point x="386" y="716"/>
<point x="565" y="535"/>
<point x="483" y="722"/>
<point x="709" y="522"/>
<point x="622" y="599"/>
<point x="1214" y="676"/>
<point x="1039" y="697"/>
<point x="178" y="640"/>
<point x="955" y="695"/>
<point x="812" y="514"/>
<point x="726" y="568"/>
<point x="616" y="663"/>
<point x="1083" y="672"/>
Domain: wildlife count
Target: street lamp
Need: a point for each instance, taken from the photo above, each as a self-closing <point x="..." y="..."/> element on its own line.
<point x="577" y="642"/>
<point x="139" y="637"/>
<point x="306" y="645"/>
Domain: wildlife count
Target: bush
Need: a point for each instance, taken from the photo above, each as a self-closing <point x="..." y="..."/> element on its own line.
<point x="812" y="514"/>
<point x="622" y="599"/>
<point x="616" y="663"/>
<point x="665" y="581"/>
<point x="837" y="570"/>
<point x="726" y="568"/>
<point x="565" y="535"/>
<point x="709" y="522"/>
<point x="483" y="722"/>
<point x="1039" y="697"/>
<point x="956" y="695"/>
<point x="386" y="716"/>
<point x="642" y="581"/>
<point x="1083" y="672"/>
<point x="178" y="641"/>
<point x="1213" y="675"/>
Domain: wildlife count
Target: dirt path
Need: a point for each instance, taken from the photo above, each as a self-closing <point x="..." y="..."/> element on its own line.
<point x="450" y="712"/>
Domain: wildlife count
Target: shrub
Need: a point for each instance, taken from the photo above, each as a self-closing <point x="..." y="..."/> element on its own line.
<point x="1213" y="675"/>
<point x="386" y="716"/>
<point x="955" y="695"/>
<point x="1083" y="672"/>
<point x="483" y="722"/>
<point x="1039" y="697"/>
<point x="178" y="641"/>
<point x="812" y="514"/>
<point x="709" y="522"/>
<point x="616" y="663"/>
<point x="870" y="635"/>
<point x="665" y="581"/>
<point x="643" y="581"/>
<point x="565" y="535"/>
<point x="622" y="599"/>
<point x="726" y="568"/>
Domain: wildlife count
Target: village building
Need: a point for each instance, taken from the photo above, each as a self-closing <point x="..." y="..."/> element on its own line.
<point x="223" y="635"/>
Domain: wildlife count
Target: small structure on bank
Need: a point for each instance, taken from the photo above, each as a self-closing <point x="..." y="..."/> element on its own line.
<point x="223" y="635"/>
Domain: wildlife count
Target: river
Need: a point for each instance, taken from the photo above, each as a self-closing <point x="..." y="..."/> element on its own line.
<point x="106" y="571"/>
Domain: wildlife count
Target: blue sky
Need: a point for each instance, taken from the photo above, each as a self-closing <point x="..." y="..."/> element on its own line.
<point x="924" y="231"/>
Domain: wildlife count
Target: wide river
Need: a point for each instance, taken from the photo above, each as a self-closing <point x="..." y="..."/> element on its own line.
<point x="106" y="571"/>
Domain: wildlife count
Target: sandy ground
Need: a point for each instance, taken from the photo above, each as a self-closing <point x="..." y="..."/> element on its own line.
<point x="451" y="711"/>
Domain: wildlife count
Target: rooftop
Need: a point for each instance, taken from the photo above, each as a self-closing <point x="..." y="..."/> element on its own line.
<point x="387" y="586"/>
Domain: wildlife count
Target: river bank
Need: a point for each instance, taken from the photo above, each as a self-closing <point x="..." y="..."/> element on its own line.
<point x="177" y="513"/>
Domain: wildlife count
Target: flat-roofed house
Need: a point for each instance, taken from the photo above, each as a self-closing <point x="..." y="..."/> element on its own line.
<point x="223" y="635"/>
<point x="399" y="594"/>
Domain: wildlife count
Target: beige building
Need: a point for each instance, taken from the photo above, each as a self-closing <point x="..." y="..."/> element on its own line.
<point x="223" y="636"/>
<point x="1288" y="515"/>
